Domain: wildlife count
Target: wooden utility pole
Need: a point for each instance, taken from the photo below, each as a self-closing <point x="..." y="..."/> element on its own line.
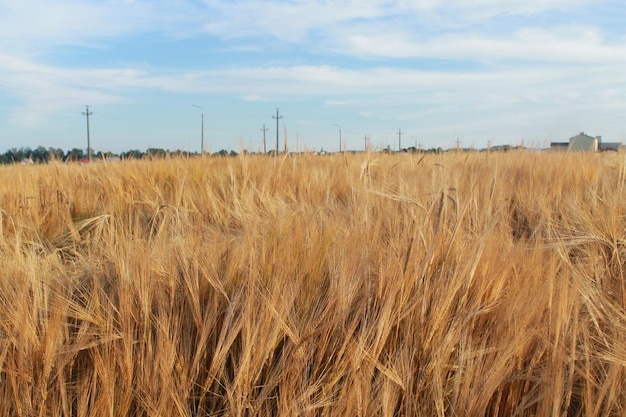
<point x="277" y="117"/>
<point x="88" y="113"/>
<point x="264" y="129"/>
<point x="201" y="129"/>
<point x="339" y="136"/>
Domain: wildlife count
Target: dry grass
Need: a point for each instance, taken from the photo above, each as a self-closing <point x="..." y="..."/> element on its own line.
<point x="360" y="285"/>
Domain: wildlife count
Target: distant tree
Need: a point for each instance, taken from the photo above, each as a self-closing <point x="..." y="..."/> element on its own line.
<point x="15" y="155"/>
<point x="75" y="154"/>
<point x="179" y="153"/>
<point x="156" y="153"/>
<point x="224" y="152"/>
<point x="132" y="154"/>
<point x="56" y="154"/>
<point x="435" y="150"/>
<point x="12" y="156"/>
<point x="40" y="155"/>
<point x="103" y="155"/>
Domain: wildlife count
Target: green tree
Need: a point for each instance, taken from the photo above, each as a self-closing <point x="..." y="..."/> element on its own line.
<point x="75" y="154"/>
<point x="15" y="155"/>
<point x="132" y="154"/>
<point x="156" y="153"/>
<point x="56" y="153"/>
<point x="40" y="155"/>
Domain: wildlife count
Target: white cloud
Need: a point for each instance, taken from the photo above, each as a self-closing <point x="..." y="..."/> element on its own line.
<point x="58" y="21"/>
<point x="385" y="28"/>
<point x="301" y="21"/>
<point x="44" y="85"/>
<point x="567" y="44"/>
<point x="473" y="10"/>
<point x="289" y="21"/>
<point x="253" y="97"/>
<point x="43" y="88"/>
<point x="31" y="27"/>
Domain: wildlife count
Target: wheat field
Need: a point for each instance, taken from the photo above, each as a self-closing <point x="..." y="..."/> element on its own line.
<point x="461" y="284"/>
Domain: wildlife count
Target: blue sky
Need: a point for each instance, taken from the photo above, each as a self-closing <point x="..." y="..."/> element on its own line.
<point x="507" y="72"/>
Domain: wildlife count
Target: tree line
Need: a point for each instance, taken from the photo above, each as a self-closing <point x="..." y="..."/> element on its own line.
<point x="42" y="155"/>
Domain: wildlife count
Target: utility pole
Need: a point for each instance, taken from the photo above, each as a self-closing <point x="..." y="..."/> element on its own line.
<point x="400" y="140"/>
<point x="88" y="113"/>
<point x="458" y="144"/>
<point x="264" y="129"/>
<point x="277" y="117"/>
<point x="339" y="137"/>
<point x="202" y="130"/>
<point x="365" y="138"/>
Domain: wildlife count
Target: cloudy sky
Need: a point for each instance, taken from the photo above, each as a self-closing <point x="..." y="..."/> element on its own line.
<point x="476" y="71"/>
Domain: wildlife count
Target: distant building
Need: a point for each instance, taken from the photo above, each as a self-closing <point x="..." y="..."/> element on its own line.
<point x="584" y="142"/>
<point x="609" y="146"/>
<point x="559" y="146"/>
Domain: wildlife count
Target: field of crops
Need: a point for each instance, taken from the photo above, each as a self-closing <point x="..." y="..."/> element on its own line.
<point x="462" y="284"/>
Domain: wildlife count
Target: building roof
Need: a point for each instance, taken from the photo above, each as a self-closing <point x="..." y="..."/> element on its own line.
<point x="582" y="134"/>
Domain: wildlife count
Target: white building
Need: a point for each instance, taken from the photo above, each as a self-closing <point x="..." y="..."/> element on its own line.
<point x="583" y="142"/>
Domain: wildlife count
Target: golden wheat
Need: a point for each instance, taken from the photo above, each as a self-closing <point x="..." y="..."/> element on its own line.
<point x="357" y="285"/>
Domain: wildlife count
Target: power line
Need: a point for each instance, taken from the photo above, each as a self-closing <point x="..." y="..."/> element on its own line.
<point x="339" y="136"/>
<point x="264" y="129"/>
<point x="88" y="113"/>
<point x="202" y="131"/>
<point x="277" y="117"/>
